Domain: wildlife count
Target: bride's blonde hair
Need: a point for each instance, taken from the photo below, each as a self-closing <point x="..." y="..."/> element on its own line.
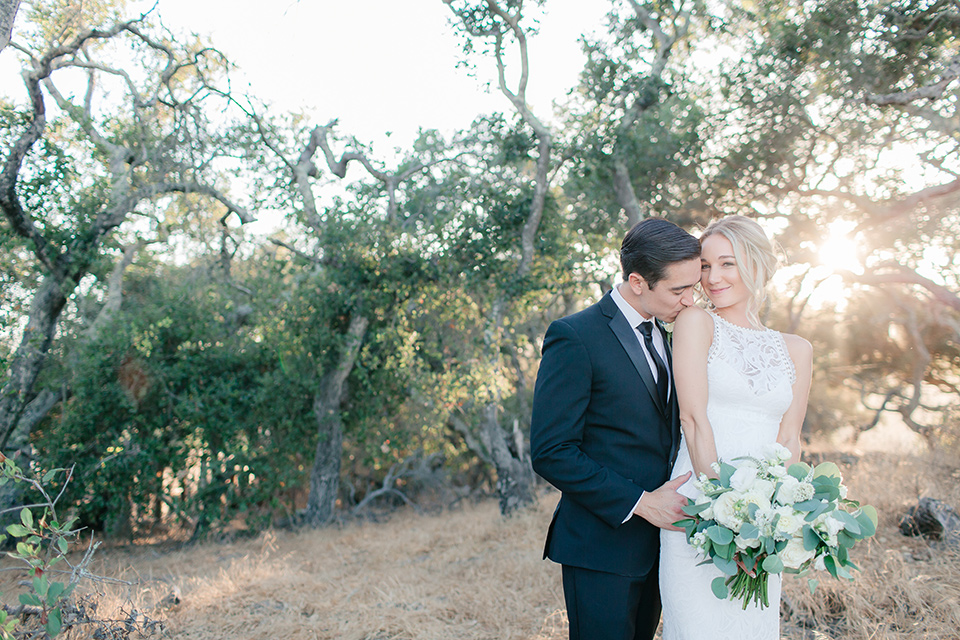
<point x="754" y="253"/>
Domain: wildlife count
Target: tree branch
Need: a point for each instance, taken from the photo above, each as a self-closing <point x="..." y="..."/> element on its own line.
<point x="929" y="92"/>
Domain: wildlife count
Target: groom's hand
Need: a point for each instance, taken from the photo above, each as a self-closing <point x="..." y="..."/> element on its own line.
<point x="663" y="506"/>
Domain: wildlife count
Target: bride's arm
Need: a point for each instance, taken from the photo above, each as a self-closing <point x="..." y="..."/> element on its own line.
<point x="801" y="352"/>
<point x="692" y="337"/>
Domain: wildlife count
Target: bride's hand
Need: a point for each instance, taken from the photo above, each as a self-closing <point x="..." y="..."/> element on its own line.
<point x="663" y="506"/>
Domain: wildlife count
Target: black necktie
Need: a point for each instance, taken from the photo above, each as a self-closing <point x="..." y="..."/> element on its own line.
<point x="646" y="329"/>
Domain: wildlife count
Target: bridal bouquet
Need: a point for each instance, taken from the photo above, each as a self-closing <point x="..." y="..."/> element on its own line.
<point x="760" y="518"/>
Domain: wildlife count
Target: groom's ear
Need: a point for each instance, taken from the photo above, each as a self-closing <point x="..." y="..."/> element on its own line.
<point x="637" y="284"/>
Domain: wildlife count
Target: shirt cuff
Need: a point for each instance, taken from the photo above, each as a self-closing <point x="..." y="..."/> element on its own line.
<point x="631" y="514"/>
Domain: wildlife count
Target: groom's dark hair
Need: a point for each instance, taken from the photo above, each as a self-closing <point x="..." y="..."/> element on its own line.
<point x="652" y="245"/>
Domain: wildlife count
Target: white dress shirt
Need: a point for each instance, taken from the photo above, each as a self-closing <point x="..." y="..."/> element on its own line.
<point x="634" y="318"/>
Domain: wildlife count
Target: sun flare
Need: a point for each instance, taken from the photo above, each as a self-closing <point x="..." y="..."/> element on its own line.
<point x="839" y="251"/>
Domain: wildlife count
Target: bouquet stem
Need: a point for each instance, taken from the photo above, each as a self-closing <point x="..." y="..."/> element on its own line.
<point x="749" y="588"/>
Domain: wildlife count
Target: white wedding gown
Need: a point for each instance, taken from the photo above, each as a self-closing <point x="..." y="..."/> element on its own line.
<point x="750" y="385"/>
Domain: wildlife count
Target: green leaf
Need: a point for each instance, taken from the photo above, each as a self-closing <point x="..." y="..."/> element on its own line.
<point x="694" y="509"/>
<point x="720" y="535"/>
<point x="719" y="587"/>
<point x="819" y="511"/>
<point x="18" y="530"/>
<point x="62" y="545"/>
<point x="827" y="469"/>
<point x="54" y="623"/>
<point x="728" y="567"/>
<point x="40" y="585"/>
<point x="54" y="592"/>
<point x="827" y="492"/>
<point x="749" y="531"/>
<point x="48" y="476"/>
<point x="799" y="470"/>
<point x="724" y="550"/>
<point x="868" y="521"/>
<point x="811" y="539"/>
<point x="29" y="599"/>
<point x="812" y="585"/>
<point x="807" y="505"/>
<point x="726" y="472"/>
<point x="831" y="565"/>
<point x="26" y="518"/>
<point x="845" y="540"/>
<point x="772" y="564"/>
<point x="849" y="522"/>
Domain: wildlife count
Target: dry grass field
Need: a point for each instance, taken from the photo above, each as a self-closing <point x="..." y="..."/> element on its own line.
<point x="468" y="574"/>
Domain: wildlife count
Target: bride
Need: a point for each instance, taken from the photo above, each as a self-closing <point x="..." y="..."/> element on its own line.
<point x="740" y="386"/>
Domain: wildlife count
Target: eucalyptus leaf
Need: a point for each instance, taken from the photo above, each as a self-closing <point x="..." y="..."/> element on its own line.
<point x="719" y="587"/>
<point x="772" y="564"/>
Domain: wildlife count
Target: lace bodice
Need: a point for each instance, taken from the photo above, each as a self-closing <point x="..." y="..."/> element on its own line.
<point x="754" y="358"/>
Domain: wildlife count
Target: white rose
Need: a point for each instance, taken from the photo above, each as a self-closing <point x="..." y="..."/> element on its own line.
<point x="776" y="451"/>
<point x="743" y="478"/>
<point x="833" y="525"/>
<point x="725" y="510"/>
<point x="755" y="497"/>
<point x="794" y="554"/>
<point x="788" y="488"/>
<point x="777" y="471"/>
<point x="764" y="488"/>
<point x="790" y="522"/>
<point x="746" y="543"/>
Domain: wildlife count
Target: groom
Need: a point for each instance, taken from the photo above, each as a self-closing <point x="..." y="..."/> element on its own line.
<point x="605" y="431"/>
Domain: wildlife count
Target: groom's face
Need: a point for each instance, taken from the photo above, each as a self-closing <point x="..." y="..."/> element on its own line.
<point x="671" y="294"/>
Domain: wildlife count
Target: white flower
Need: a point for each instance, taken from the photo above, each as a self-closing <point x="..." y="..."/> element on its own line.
<point x="778" y="471"/>
<point x="794" y="554"/>
<point x="746" y="543"/>
<point x="843" y="492"/>
<point x="725" y="510"/>
<point x="715" y="466"/>
<point x="755" y="497"/>
<point x="776" y="451"/>
<point x="699" y="541"/>
<point x="701" y="482"/>
<point x="819" y="565"/>
<point x="804" y="491"/>
<point x="743" y="478"/>
<point x="787" y="493"/>
<point x="706" y="514"/>
<point x="764" y="488"/>
<point x="790" y="522"/>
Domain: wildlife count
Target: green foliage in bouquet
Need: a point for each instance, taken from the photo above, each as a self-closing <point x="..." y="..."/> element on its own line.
<point x="759" y="518"/>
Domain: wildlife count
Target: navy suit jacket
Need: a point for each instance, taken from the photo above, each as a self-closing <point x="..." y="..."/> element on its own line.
<point x="600" y="434"/>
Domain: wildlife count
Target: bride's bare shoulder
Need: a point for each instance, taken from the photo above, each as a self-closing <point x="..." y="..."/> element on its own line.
<point x="694" y="317"/>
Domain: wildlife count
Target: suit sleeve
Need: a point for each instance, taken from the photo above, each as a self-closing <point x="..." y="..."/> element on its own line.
<point x="560" y="400"/>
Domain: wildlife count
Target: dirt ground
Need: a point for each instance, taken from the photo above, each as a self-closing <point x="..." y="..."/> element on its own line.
<point x="470" y="574"/>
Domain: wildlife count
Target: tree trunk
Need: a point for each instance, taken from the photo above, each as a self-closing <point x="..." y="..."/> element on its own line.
<point x="515" y="479"/>
<point x="8" y="15"/>
<point x="325" y="475"/>
<point x="626" y="196"/>
<point x="29" y="357"/>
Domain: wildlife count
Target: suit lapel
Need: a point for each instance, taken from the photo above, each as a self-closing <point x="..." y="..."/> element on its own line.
<point x="631" y="344"/>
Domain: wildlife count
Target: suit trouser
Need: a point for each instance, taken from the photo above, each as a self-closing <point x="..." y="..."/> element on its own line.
<point x="605" y="606"/>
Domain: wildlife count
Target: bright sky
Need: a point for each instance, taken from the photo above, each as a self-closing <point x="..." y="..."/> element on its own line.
<point x="379" y="65"/>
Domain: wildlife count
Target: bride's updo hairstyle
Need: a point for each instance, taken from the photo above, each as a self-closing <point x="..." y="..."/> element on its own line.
<point x="753" y="251"/>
